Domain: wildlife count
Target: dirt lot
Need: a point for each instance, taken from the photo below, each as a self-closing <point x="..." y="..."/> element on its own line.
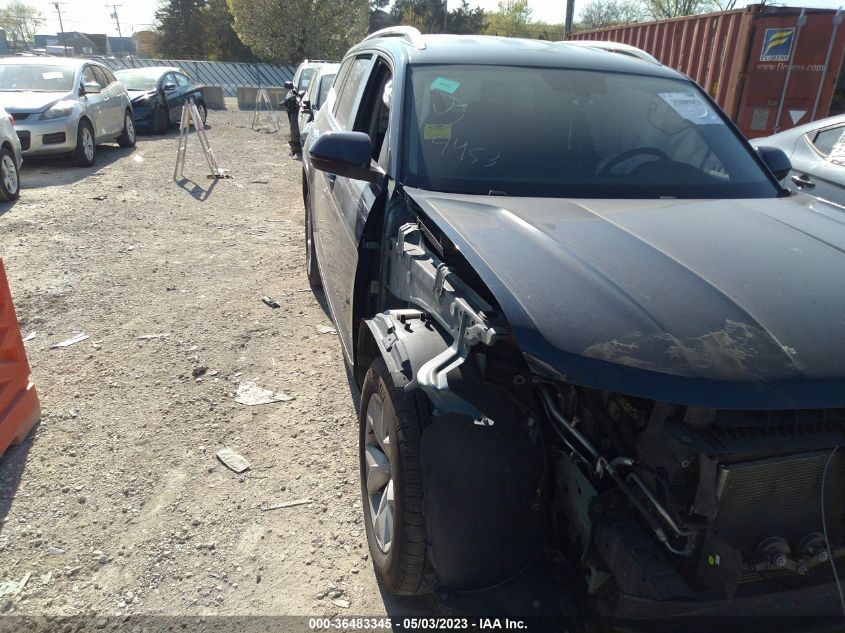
<point x="117" y="504"/>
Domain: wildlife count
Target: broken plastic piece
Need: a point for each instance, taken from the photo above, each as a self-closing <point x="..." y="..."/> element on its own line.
<point x="232" y="460"/>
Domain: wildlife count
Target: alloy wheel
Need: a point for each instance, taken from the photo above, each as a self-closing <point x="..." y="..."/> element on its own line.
<point x="9" y="174"/>
<point x="88" y="143"/>
<point x="379" y="474"/>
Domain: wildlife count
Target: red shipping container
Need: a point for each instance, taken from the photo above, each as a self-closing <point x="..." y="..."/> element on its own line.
<point x="769" y="68"/>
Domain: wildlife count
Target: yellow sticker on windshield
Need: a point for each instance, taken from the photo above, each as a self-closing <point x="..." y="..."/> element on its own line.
<point x="437" y="131"/>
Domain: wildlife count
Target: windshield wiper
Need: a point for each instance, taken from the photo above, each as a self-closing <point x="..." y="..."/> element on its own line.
<point x="496" y="192"/>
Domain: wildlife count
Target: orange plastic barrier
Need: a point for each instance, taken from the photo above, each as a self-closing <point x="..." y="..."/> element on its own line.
<point x="19" y="407"/>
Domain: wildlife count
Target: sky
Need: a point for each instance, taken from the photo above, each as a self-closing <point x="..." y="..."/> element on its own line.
<point x="92" y="16"/>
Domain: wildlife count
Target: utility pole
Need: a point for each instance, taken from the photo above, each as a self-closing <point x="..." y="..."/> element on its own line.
<point x="445" y="16"/>
<point x="570" y="12"/>
<point x="61" y="26"/>
<point x="115" y="18"/>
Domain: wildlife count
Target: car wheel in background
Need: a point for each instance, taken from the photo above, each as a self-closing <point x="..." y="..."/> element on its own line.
<point x="86" y="149"/>
<point x="127" y="139"/>
<point x="203" y="112"/>
<point x="390" y="424"/>
<point x="10" y="182"/>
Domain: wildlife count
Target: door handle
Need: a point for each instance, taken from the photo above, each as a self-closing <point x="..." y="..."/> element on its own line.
<point x="803" y="181"/>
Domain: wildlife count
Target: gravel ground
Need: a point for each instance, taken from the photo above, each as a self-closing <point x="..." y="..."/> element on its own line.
<point x="117" y="504"/>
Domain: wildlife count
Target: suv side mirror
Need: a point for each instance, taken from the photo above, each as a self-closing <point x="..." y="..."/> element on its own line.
<point x="169" y="86"/>
<point x="776" y="160"/>
<point x="345" y="154"/>
<point x="288" y="85"/>
<point x="91" y="88"/>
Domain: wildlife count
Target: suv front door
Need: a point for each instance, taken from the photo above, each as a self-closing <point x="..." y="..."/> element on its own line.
<point x="340" y="205"/>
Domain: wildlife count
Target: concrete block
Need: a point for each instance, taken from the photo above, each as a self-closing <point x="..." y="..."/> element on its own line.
<point x="213" y="96"/>
<point x="247" y="96"/>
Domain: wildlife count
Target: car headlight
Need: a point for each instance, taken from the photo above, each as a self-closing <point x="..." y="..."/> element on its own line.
<point x="59" y="110"/>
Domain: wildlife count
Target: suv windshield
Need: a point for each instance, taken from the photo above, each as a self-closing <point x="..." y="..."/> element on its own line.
<point x="37" y="77"/>
<point x="571" y="133"/>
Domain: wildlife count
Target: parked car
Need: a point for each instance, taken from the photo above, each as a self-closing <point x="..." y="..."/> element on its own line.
<point x="576" y="302"/>
<point x="293" y="100"/>
<point x="315" y="96"/>
<point x="158" y="94"/>
<point x="304" y="73"/>
<point x="10" y="159"/>
<point x="817" y="153"/>
<point x="64" y="105"/>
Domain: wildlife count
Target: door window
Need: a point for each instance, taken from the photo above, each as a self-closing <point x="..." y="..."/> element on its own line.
<point x="344" y="109"/>
<point x="826" y="139"/>
<point x="109" y="75"/>
<point x="181" y="80"/>
<point x="168" y="79"/>
<point x="88" y="76"/>
<point x="101" y="77"/>
<point x="374" y="113"/>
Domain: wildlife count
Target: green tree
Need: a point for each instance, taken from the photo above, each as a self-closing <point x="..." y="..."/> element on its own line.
<point x="222" y="43"/>
<point x="181" y="29"/>
<point x="512" y="20"/>
<point x="600" y="13"/>
<point x="429" y="16"/>
<point x="21" y="22"/>
<point x="288" y="31"/>
<point x="426" y="15"/>
<point x="662" y="9"/>
<point x="465" y="20"/>
<point x="546" y="31"/>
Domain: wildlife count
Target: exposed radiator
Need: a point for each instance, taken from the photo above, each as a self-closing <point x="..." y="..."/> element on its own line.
<point x="780" y="497"/>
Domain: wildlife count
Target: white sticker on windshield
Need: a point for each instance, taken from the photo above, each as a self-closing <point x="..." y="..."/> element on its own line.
<point x="837" y="152"/>
<point x="53" y="74"/>
<point x="691" y="107"/>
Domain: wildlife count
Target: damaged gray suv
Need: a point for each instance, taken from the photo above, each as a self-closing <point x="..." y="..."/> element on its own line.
<point x="587" y="322"/>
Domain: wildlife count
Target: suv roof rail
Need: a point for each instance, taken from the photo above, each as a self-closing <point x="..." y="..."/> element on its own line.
<point x="407" y="33"/>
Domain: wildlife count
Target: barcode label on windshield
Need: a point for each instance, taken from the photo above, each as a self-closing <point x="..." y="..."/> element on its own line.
<point x="691" y="107"/>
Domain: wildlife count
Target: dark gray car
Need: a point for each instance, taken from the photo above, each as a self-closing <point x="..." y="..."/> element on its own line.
<point x="817" y="153"/>
<point x="587" y="322"/>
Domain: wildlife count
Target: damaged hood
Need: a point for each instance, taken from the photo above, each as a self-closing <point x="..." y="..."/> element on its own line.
<point x="716" y="303"/>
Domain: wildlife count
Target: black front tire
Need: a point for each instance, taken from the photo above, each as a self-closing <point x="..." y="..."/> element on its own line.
<point x="85" y="154"/>
<point x="127" y="137"/>
<point x="403" y="568"/>
<point x="10" y="180"/>
<point x="310" y="254"/>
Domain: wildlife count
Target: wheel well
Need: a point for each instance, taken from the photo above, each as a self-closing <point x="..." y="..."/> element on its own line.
<point x="7" y="145"/>
<point x="85" y="119"/>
